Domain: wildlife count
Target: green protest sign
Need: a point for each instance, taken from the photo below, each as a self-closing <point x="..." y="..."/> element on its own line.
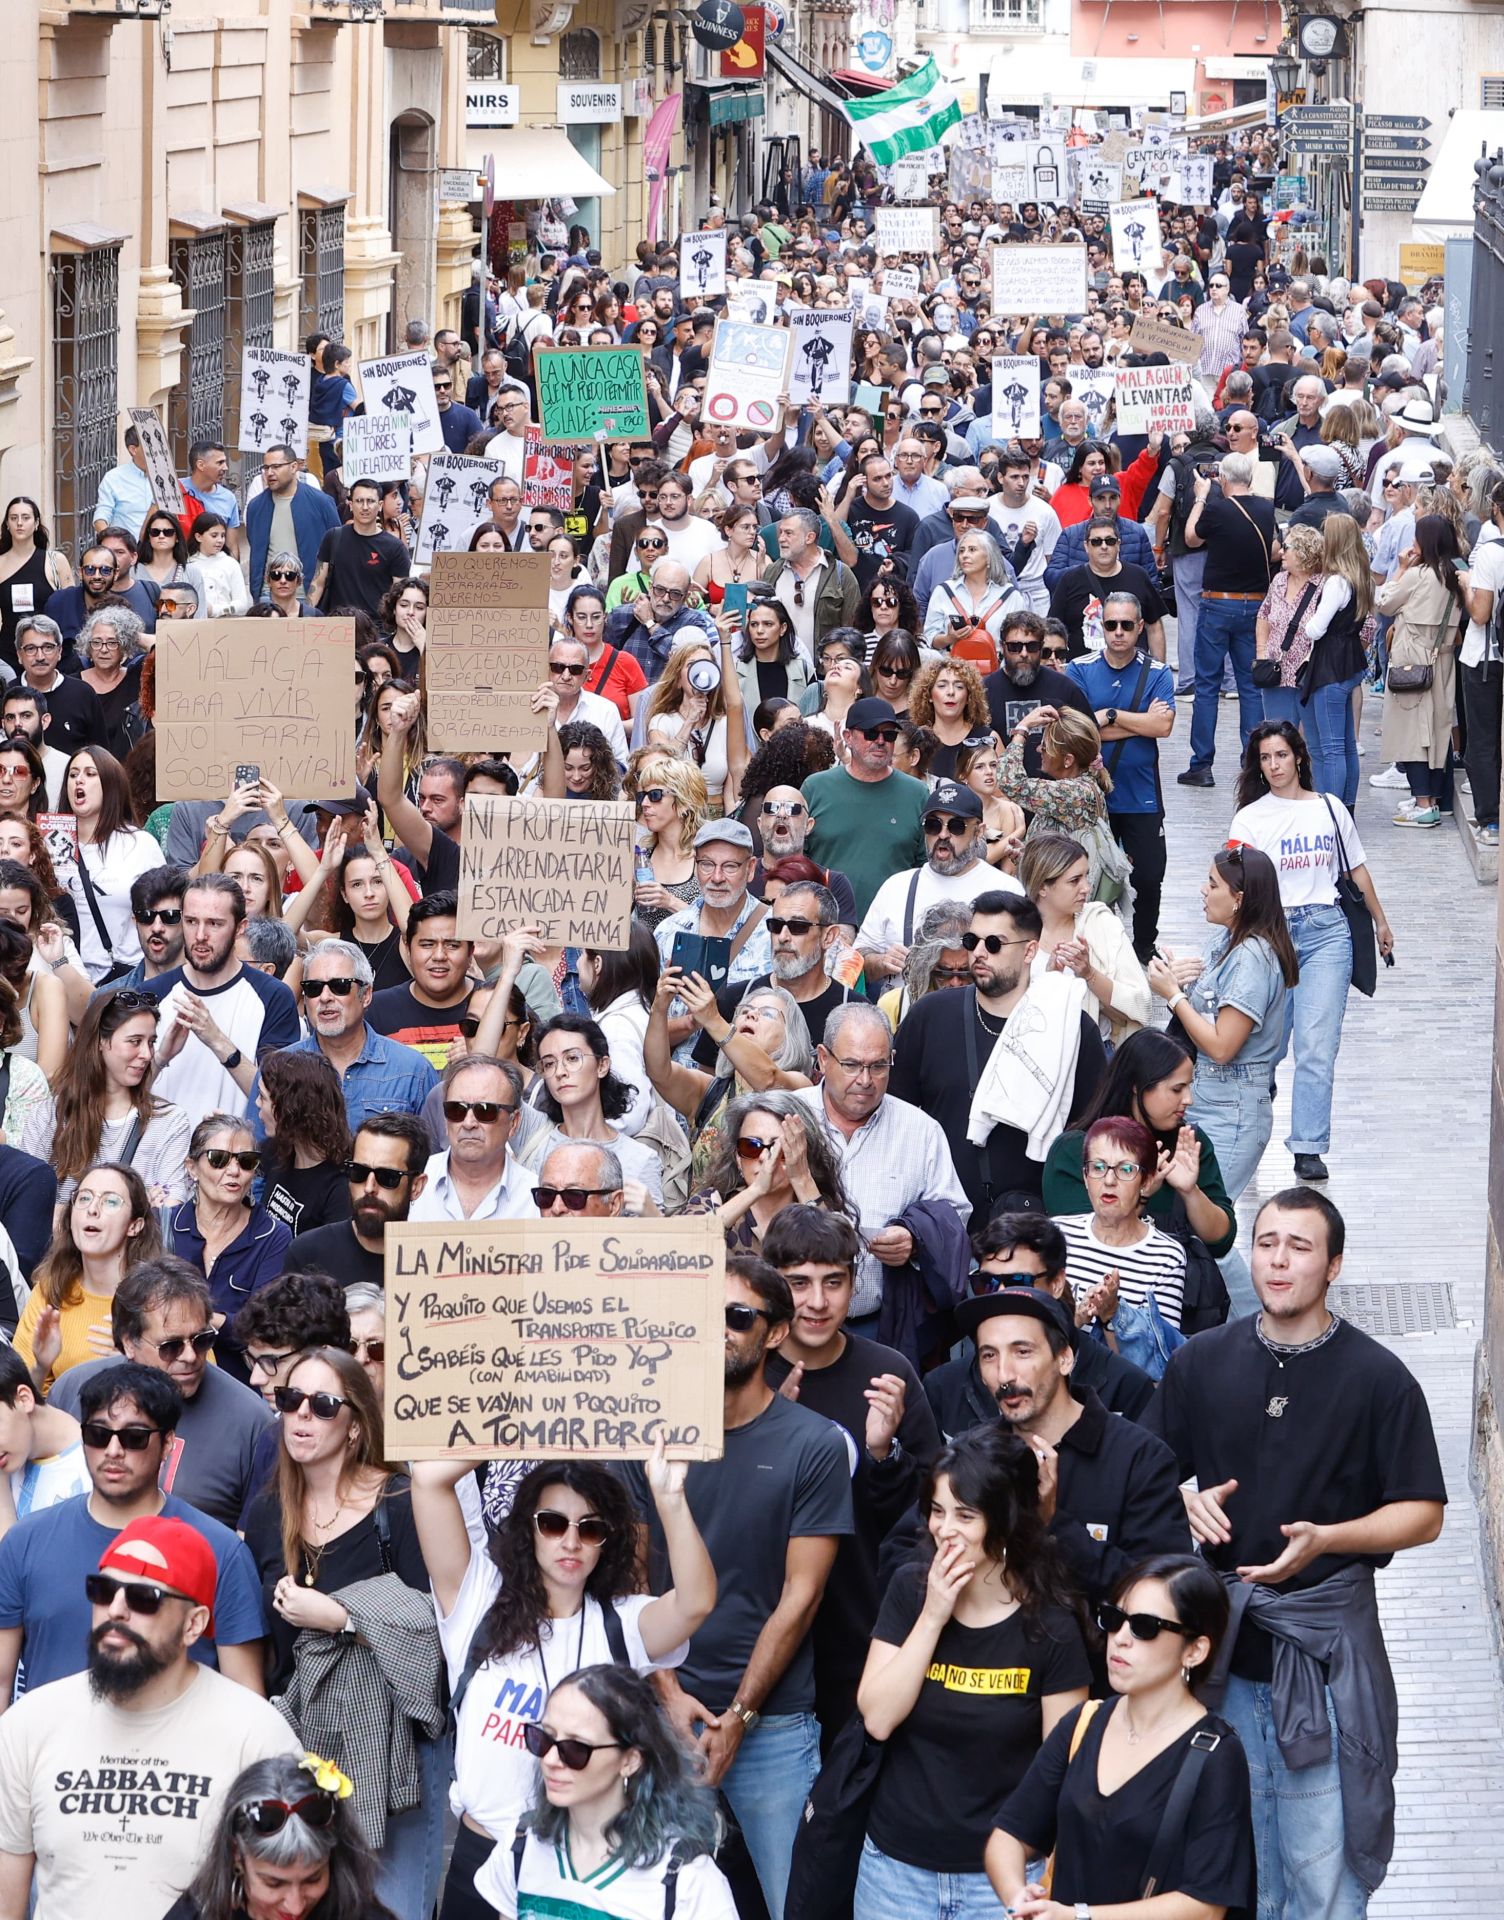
<point x="586" y="391"/>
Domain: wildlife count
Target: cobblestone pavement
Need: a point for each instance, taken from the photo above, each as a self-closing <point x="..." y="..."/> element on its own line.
<point x="1409" y="1163"/>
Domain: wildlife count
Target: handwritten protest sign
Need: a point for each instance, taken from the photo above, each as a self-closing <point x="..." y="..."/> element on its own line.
<point x="274" y="389"/>
<point x="404" y="385"/>
<point x="1011" y="184"/>
<point x="455" y="500"/>
<point x="1015" y="397"/>
<point x="1162" y="336"/>
<point x="547" y="473"/>
<point x="585" y="391"/>
<point x="377" y="446"/>
<point x="536" y="1339"/>
<point x="821" y="365"/>
<point x="906" y="229"/>
<point x="909" y="178"/>
<point x="487" y="652"/>
<point x="702" y="266"/>
<point x="566" y="866"/>
<point x="1155" y="399"/>
<point x="749" y="370"/>
<point x="1039" y="280"/>
<point x="1136" y="243"/>
<point x="901" y="283"/>
<point x="268" y="693"/>
<point x="160" y="469"/>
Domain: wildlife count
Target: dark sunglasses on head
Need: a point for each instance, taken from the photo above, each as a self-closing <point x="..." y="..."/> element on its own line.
<point x="1143" y="1626"/>
<point x="246" y="1158"/>
<point x="741" y="1318"/>
<point x="946" y="823"/>
<point x="797" y="925"/>
<point x="266" y="1817"/>
<point x="387" y="1178"/>
<point x="133" y="1000"/>
<point x="575" y="1754"/>
<point x="325" y="1406"/>
<point x="886" y="734"/>
<point x="141" y="1596"/>
<point x="575" y="1199"/>
<point x="486" y="1111"/>
<point x="553" y="1525"/>
<point x="134" y="1439"/>
<point x="169" y="916"/>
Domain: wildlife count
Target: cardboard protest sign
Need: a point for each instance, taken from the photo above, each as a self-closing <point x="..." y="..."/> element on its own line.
<point x="821" y="364"/>
<point x="274" y="390"/>
<point x="404" y="385"/>
<point x="1093" y="387"/>
<point x="537" y="1339"/>
<point x="1136" y="243"/>
<point x="585" y="393"/>
<point x="1163" y="336"/>
<point x="547" y="473"/>
<point x="909" y="179"/>
<point x="901" y="283"/>
<point x="702" y="266"/>
<point x="157" y="454"/>
<point x="567" y="866"/>
<point x="1015" y="397"/>
<point x="749" y="371"/>
<point x="268" y="693"/>
<point x="376" y="446"/>
<point x="1196" y="180"/>
<point x="1011" y="185"/>
<point x="455" y="502"/>
<point x="906" y="229"/>
<point x="1155" y="399"/>
<point x="1101" y="184"/>
<point x="487" y="652"/>
<point x="1037" y="280"/>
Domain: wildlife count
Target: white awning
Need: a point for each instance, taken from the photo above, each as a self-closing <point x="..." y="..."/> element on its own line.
<point x="1446" y="205"/>
<point x="1252" y="113"/>
<point x="1021" y="74"/>
<point x="534" y="163"/>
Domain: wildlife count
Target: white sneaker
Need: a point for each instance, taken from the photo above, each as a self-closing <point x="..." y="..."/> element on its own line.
<point x="1390" y="777"/>
<point x="1406" y="807"/>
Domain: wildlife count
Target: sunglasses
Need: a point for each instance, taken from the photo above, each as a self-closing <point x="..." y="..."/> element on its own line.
<point x="1143" y="1626"/>
<point x="656" y="794"/>
<point x="281" y="573"/>
<point x="132" y="1439"/>
<point x="651" y="546"/>
<point x="387" y="1178"/>
<point x="1101" y="543"/>
<point x="141" y="1596"/>
<point x="325" y="1406"/>
<point x="488" y="1112"/>
<point x="575" y="1199"/>
<point x="885" y="599"/>
<point x="945" y="823"/>
<point x="739" y="1317"/>
<point x="785" y="809"/>
<point x="201" y="1342"/>
<point x="246" y="1158"/>
<point x="1023" y="646"/>
<point x="266" y="1817"/>
<point x="573" y="671"/>
<point x="368" y="1349"/>
<point x="268" y="1363"/>
<point x="993" y="942"/>
<point x="1057" y="653"/>
<point x="575" y="1754"/>
<point x="797" y="925"/>
<point x="888" y="735"/>
<point x="894" y="673"/>
<point x="553" y="1525"/>
<point x="1119" y="626"/>
<point x="340" y="986"/>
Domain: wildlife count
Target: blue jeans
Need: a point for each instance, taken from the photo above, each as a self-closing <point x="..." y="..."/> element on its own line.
<point x="886" y="1889"/>
<point x="1313" y="1017"/>
<point x="1297" y="1818"/>
<point x="1186" y="570"/>
<point x="767" y="1786"/>
<point x="411" y="1859"/>
<point x="1333" y="740"/>
<point x="1283" y="703"/>
<point x="1234" y="1107"/>
<point x="1223" y="628"/>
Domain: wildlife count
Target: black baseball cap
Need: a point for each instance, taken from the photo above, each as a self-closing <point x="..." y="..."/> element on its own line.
<point x="949" y="796"/>
<point x="868" y="713"/>
<point x="1034" y="1302"/>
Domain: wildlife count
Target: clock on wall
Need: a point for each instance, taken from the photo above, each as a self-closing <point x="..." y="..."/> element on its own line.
<point x="1321" y="38"/>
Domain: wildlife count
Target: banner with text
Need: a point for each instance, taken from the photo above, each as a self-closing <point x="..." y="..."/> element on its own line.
<point x="821" y="365"/>
<point x="1149" y="335"/>
<point x="1015" y="397"/>
<point x="590" y="393"/>
<point x="404" y="385"/>
<point x="566" y="866"/>
<point x="702" y="266"/>
<point x="1094" y="388"/>
<point x="274" y="389"/>
<point x="376" y="446"/>
<point x="487" y="652"/>
<point x="1136" y="244"/>
<point x="547" y="472"/>
<point x="456" y="493"/>
<point x="1038" y="280"/>
<point x="906" y="229"/>
<point x="540" y="1339"/>
<point x="1155" y="399"/>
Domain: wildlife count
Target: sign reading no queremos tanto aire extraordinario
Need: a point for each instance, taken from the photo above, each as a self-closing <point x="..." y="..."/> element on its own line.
<point x="584" y="392"/>
<point x="533" y="1339"/>
<point x="268" y="693"/>
<point x="487" y="652"/>
<point x="565" y="866"/>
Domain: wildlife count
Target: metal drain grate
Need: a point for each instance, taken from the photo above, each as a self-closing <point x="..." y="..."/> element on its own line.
<point x="1397" y="1308"/>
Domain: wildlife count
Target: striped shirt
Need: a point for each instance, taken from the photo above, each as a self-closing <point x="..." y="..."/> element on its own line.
<point x="1156" y="1264"/>
<point x="1221" y="334"/>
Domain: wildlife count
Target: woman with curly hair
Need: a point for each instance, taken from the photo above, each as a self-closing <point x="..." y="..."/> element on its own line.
<point x="111" y="646"/>
<point x="578" y="763"/>
<point x="301" y="1105"/>
<point x="773" y="1154"/>
<point x="402" y="618"/>
<point x="557" y="1588"/>
<point x="947" y="696"/>
<point x="888" y="606"/>
<point x="787" y="758"/>
<point x="672" y="806"/>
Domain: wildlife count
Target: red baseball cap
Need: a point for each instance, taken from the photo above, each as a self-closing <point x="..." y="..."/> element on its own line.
<point x="168" y="1552"/>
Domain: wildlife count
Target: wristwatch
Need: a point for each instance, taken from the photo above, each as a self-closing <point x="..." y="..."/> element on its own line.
<point x="749" y="1716"/>
<point x="231" y="1061"/>
<point x="1112" y="716"/>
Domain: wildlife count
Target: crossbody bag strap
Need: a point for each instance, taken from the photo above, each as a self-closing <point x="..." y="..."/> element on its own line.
<point x="746" y="930"/>
<point x="1342" y="865"/>
<point x="92" y="899"/>
<point x="1264" y="547"/>
<point x="132" y="1142"/>
<point x="605" y="673"/>
<point x="1115" y="751"/>
<point x="908" y="907"/>
<point x="1300" y="613"/>
<point x="1172" y="1823"/>
<point x="986" y="1153"/>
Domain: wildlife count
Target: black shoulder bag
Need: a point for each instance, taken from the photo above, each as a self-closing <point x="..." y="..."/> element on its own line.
<point x="1115" y="752"/>
<point x="1171" y="1834"/>
<point x="1365" y="973"/>
<point x="115" y="968"/>
<point x="1266" y="672"/>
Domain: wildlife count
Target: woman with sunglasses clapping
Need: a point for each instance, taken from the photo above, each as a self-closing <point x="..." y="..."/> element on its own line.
<point x="1098" y="1789"/>
<point x="558" y="1588"/>
<point x="337" y="1550"/>
<point x="285" y="1844"/>
<point x="219" y="1229"/>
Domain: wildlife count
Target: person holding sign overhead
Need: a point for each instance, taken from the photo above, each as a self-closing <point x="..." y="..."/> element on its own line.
<point x="557" y="1589"/>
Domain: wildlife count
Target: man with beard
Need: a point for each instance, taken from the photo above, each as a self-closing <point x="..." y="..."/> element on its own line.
<point x="955" y="868"/>
<point x="726" y="909"/>
<point x="783" y="824"/>
<point x="157" y="909"/>
<point x="25" y="711"/>
<point x="946" y="1040"/>
<point x="129" y="1417"/>
<point x="881" y="527"/>
<point x="1023" y="682"/>
<point x="111" y="1782"/>
<point x="772" y="1512"/>
<point x="1107" y="1487"/>
<point x="802" y="929"/>
<point x="218" y="1017"/>
<point x="385" y="1176"/>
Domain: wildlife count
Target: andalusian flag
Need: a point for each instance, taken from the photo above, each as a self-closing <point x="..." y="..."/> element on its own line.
<point x="906" y="118"/>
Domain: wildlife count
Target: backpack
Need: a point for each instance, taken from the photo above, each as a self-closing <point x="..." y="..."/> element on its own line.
<point x="616" y="1640"/>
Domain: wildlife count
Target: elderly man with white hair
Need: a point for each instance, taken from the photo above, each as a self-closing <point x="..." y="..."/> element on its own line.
<point x="1238" y="532"/>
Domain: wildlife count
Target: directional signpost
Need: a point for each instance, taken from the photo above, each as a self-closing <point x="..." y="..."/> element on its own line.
<point x="1396" y="123"/>
<point x="1395" y="161"/>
